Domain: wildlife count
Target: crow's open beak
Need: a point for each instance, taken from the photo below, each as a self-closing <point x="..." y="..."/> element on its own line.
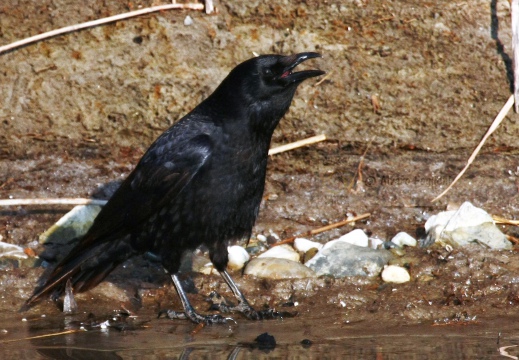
<point x="290" y="62"/>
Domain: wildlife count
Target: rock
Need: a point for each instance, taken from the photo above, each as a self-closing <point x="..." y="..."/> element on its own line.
<point x="238" y="256"/>
<point x="355" y="237"/>
<point x="281" y="252"/>
<point x="309" y="254"/>
<point x="188" y="21"/>
<point x="395" y="274"/>
<point x="304" y="245"/>
<point x="73" y="224"/>
<point x="343" y="259"/>
<point x="275" y="268"/>
<point x="375" y="243"/>
<point x="403" y="238"/>
<point x="467" y="215"/>
<point x="261" y="238"/>
<point x="208" y="269"/>
<point x="467" y="225"/>
<point x="12" y="251"/>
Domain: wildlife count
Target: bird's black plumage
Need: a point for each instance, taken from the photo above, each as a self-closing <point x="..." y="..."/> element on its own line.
<point x="200" y="182"/>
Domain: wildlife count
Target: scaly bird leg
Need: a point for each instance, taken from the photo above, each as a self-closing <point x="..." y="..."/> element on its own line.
<point x="189" y="311"/>
<point x="243" y="305"/>
<point x="245" y="308"/>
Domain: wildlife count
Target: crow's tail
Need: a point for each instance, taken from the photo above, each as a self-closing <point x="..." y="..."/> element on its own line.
<point x="84" y="267"/>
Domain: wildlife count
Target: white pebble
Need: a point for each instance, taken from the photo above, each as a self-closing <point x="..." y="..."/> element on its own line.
<point x="356" y="237"/>
<point x="238" y="256"/>
<point x="272" y="268"/>
<point x="375" y="243"/>
<point x="188" y="21"/>
<point x="281" y="252"/>
<point x="304" y="245"/>
<point x="395" y="274"/>
<point x="403" y="238"/>
<point x="208" y="269"/>
<point x="261" y="238"/>
<point x="467" y="215"/>
<point x="105" y="325"/>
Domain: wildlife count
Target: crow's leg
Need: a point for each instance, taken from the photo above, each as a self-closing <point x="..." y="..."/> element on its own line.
<point x="245" y="308"/>
<point x="189" y="311"/>
<point x="243" y="305"/>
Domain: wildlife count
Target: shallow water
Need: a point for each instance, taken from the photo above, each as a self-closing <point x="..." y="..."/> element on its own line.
<point x="58" y="337"/>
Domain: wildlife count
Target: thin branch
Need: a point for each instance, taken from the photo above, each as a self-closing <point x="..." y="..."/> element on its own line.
<point x="297" y="144"/>
<point x="500" y="220"/>
<point x="79" y="201"/>
<point x="360" y="183"/>
<point x="93" y="23"/>
<point x="64" y="201"/>
<point x="43" y="336"/>
<point x="324" y="78"/>
<point x="322" y="229"/>
<point x="499" y="118"/>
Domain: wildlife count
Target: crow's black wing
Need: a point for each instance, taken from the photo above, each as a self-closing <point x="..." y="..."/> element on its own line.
<point x="158" y="178"/>
<point x="163" y="172"/>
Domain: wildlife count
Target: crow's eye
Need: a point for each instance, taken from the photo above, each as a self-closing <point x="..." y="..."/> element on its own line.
<point x="268" y="72"/>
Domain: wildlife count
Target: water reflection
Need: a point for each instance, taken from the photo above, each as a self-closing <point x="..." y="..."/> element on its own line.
<point x="165" y="339"/>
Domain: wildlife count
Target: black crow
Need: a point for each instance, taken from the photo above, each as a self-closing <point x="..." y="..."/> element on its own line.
<point x="200" y="182"/>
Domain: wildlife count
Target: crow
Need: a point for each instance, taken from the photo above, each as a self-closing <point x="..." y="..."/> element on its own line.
<point x="200" y="182"/>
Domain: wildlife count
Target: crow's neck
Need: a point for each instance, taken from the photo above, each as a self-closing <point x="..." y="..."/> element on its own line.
<point x="233" y="108"/>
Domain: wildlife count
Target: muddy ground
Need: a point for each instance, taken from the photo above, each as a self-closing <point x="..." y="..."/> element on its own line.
<point x="77" y="112"/>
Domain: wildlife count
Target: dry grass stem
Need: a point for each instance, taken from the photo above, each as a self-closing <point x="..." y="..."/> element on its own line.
<point x="323" y="229"/>
<point x="63" y="201"/>
<point x="297" y="144"/>
<point x="98" y="22"/>
<point x="499" y="118"/>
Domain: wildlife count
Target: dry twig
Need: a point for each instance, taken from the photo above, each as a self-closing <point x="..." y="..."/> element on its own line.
<point x="63" y="201"/>
<point x="80" y="201"/>
<point x="322" y="229"/>
<point x="297" y="144"/>
<point x="499" y="118"/>
<point x="97" y="22"/>
<point x="500" y="220"/>
<point x="66" y="332"/>
<point x="325" y="77"/>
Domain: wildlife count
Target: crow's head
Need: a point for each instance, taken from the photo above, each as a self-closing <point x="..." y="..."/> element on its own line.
<point x="266" y="77"/>
<point x="277" y="71"/>
<point x="260" y="89"/>
<point x="272" y="75"/>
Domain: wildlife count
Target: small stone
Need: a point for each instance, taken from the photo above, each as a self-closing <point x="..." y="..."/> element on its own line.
<point x="208" y="269"/>
<point x="266" y="341"/>
<point x="467" y="215"/>
<point x="281" y="252"/>
<point x="73" y="224"/>
<point x="188" y="21"/>
<point x="403" y="238"/>
<point x="395" y="274"/>
<point x="375" y="243"/>
<point x="261" y="238"/>
<point x="309" y="255"/>
<point x="274" y="268"/>
<point x="271" y="240"/>
<point x="344" y="259"/>
<point x="238" y="256"/>
<point x="12" y="251"/>
<point x="467" y="225"/>
<point x="356" y="237"/>
<point x="304" y="245"/>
